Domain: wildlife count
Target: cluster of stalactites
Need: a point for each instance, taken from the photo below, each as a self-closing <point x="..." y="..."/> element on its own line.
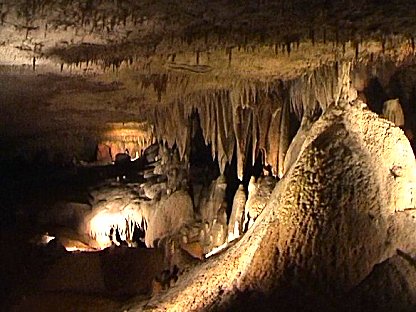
<point x="105" y="225"/>
<point x="315" y="91"/>
<point x="252" y="117"/>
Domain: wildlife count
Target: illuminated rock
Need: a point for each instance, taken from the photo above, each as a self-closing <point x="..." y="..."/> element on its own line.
<point x="154" y="190"/>
<point x="213" y="200"/>
<point x="334" y="215"/>
<point x="258" y="196"/>
<point x="392" y="111"/>
<point x="168" y="216"/>
<point x="235" y="225"/>
<point x="131" y="136"/>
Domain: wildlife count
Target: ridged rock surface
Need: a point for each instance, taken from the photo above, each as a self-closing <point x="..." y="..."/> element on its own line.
<point x="336" y="214"/>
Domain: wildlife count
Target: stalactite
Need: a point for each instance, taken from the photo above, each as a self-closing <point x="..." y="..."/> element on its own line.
<point x="357" y="50"/>
<point x="284" y="137"/>
<point x="337" y="36"/>
<point x="288" y="48"/>
<point x="221" y="134"/>
<point x="250" y="112"/>
<point x="230" y="55"/>
<point x="312" y="36"/>
<point x="273" y="137"/>
<point x="264" y="115"/>
<point x="212" y="126"/>
<point x="242" y="125"/>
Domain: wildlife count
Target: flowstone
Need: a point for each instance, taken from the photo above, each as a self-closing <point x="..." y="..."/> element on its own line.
<point x="333" y="216"/>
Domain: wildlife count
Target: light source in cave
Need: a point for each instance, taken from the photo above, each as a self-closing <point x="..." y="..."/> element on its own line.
<point x="108" y="227"/>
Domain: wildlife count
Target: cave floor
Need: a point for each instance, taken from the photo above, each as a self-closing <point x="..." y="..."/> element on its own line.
<point x="27" y="189"/>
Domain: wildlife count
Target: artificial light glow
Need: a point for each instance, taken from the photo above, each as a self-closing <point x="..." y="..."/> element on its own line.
<point x="80" y="249"/>
<point x="104" y="226"/>
<point x="216" y="250"/>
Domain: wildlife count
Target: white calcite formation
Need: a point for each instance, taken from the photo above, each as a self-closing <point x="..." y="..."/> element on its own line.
<point x="159" y="207"/>
<point x="255" y="111"/>
<point x="235" y="224"/>
<point x="168" y="216"/>
<point x="212" y="204"/>
<point x="115" y="211"/>
<point x="392" y="111"/>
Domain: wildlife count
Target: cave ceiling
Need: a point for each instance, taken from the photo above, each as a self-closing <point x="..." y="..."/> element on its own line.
<point x="68" y="68"/>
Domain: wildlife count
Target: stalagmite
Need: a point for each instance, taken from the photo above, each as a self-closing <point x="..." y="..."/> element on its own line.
<point x="392" y="111"/>
<point x="169" y="215"/>
<point x="235" y="225"/>
<point x="210" y="206"/>
<point x="248" y="214"/>
<point x="258" y="196"/>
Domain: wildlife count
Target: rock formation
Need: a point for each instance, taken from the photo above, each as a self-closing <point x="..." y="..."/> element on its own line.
<point x="141" y="123"/>
<point x="325" y="227"/>
<point x="236" y="222"/>
<point x="392" y="110"/>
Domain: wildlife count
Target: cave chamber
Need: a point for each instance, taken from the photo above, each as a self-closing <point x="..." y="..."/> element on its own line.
<point x="207" y="156"/>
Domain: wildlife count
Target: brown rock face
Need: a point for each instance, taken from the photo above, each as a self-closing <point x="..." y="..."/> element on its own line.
<point x="104" y="153"/>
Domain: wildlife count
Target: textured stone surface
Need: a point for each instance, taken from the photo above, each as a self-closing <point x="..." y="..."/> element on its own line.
<point x="326" y="226"/>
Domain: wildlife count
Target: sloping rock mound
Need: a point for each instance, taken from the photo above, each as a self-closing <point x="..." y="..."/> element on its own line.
<point x="334" y="215"/>
<point x="115" y="271"/>
<point x="391" y="286"/>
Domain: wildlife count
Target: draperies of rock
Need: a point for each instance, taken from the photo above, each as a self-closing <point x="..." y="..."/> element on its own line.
<point x="252" y="115"/>
<point x="131" y="136"/>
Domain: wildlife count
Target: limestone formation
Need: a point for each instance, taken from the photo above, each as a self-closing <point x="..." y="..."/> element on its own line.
<point x="389" y="287"/>
<point x="104" y="154"/>
<point x="212" y="203"/>
<point x="325" y="227"/>
<point x="189" y="99"/>
<point x="392" y="111"/>
<point x="235" y="224"/>
<point x="258" y="196"/>
<point x="151" y="153"/>
<point x="169" y="215"/>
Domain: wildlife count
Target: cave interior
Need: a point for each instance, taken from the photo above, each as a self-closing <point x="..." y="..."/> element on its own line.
<point x="208" y="155"/>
